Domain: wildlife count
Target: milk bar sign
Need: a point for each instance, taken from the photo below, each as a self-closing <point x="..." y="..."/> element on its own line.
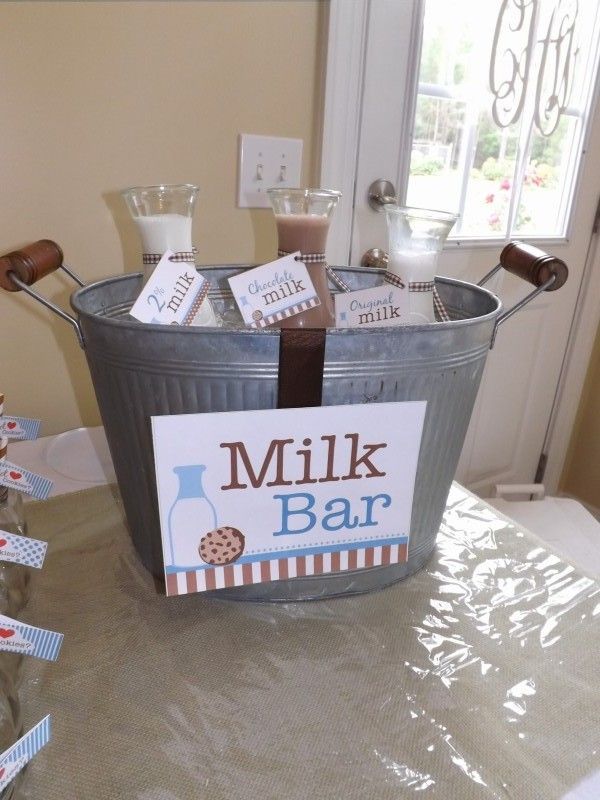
<point x="254" y="496"/>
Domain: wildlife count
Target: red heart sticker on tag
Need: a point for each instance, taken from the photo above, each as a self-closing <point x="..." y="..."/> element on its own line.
<point x="6" y="633"/>
<point x="11" y="425"/>
<point x="15" y="475"/>
<point x="2" y="542"/>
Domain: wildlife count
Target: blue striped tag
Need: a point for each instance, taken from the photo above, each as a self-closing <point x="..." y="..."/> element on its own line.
<point x="19" y="427"/>
<point x="14" y="759"/>
<point x="16" y="477"/>
<point x="18" y="637"/>
<point x="22" y="550"/>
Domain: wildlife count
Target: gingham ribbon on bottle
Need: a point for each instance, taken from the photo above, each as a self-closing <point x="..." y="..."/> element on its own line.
<point x="318" y="258"/>
<point x="3" y="453"/>
<point x="188" y="256"/>
<point x="308" y="258"/>
<point x="200" y="298"/>
<point x="439" y="307"/>
<point x="394" y="280"/>
<point x="421" y="286"/>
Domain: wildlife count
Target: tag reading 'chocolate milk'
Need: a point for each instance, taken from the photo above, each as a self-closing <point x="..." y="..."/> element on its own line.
<point x="274" y="291"/>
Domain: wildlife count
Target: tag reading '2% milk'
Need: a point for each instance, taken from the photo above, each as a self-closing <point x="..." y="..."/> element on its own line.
<point x="173" y="295"/>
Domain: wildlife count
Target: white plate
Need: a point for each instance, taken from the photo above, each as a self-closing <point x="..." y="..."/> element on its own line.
<point x="81" y="455"/>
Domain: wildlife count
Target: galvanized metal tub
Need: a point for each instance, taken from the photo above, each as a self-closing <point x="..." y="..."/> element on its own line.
<point x="141" y="371"/>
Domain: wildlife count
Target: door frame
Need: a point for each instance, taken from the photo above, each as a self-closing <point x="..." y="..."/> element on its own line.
<point x="346" y="43"/>
<point x="346" y="52"/>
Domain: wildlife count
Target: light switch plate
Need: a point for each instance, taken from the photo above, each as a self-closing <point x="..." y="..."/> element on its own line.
<point x="264" y="162"/>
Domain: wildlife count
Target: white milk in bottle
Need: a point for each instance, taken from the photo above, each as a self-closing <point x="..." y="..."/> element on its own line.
<point x="163" y="215"/>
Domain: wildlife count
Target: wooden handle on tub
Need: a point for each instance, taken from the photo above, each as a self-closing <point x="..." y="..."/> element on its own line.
<point x="30" y="263"/>
<point x="533" y="265"/>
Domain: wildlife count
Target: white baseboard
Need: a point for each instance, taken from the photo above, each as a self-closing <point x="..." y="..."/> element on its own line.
<point x="594" y="511"/>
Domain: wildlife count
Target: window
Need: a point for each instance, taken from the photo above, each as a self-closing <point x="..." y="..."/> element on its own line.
<point x="505" y="88"/>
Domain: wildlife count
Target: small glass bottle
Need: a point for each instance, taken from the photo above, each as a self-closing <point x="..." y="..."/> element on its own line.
<point x="10" y="723"/>
<point x="415" y="238"/>
<point x="14" y="585"/>
<point x="14" y="578"/>
<point x="192" y="515"/>
<point x="163" y="216"/>
<point x="303" y="217"/>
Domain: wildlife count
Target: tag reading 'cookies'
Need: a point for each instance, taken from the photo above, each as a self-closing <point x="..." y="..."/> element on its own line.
<point x="274" y="291"/>
<point x="14" y="759"/>
<point x="173" y="295"/>
<point x="372" y="308"/>
<point x="19" y="427"/>
<point x="22" y="550"/>
<point x="15" y="477"/>
<point x="18" y="637"/>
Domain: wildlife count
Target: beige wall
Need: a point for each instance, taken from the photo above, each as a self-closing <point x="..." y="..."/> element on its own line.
<point x="96" y="96"/>
<point x="581" y="476"/>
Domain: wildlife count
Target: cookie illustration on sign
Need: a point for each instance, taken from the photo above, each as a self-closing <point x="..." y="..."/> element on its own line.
<point x="221" y="546"/>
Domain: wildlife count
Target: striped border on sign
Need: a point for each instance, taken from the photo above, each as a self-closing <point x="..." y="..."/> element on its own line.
<point x="287" y="312"/>
<point x="284" y="568"/>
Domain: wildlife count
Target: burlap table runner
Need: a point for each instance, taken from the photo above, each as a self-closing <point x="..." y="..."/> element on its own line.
<point x="476" y="678"/>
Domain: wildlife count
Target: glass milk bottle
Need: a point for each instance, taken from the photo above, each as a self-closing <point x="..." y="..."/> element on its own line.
<point x="415" y="238"/>
<point x="14" y="578"/>
<point x="302" y="217"/>
<point x="163" y="216"/>
<point x="192" y="515"/>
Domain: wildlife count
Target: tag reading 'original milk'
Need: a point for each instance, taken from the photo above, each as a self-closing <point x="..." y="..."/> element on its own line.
<point x="14" y="759"/>
<point x="173" y="294"/>
<point x="274" y="291"/>
<point x="372" y="308"/>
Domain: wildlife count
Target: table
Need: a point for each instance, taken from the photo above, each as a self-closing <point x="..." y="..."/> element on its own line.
<point x="475" y="678"/>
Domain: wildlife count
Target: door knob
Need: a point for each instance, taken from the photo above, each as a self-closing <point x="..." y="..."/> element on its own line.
<point x="375" y="257"/>
<point x="381" y="192"/>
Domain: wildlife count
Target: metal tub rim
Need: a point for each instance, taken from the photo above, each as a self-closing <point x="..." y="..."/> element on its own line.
<point x="79" y="306"/>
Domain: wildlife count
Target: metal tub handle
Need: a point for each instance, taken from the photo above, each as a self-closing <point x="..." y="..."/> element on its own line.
<point x="22" y="268"/>
<point x="547" y="273"/>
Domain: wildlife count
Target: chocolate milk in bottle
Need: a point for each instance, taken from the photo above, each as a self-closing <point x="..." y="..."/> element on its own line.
<point x="302" y="217"/>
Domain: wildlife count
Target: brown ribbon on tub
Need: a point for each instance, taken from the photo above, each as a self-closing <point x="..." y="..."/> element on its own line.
<point x="301" y="357"/>
<point x="301" y="361"/>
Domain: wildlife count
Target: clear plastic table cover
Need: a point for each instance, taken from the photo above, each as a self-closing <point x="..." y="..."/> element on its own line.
<point x="475" y="678"/>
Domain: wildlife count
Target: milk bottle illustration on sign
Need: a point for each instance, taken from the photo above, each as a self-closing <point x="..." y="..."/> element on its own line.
<point x="191" y="516"/>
